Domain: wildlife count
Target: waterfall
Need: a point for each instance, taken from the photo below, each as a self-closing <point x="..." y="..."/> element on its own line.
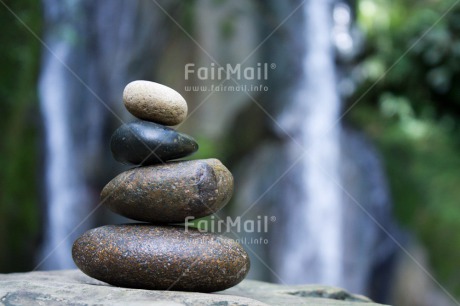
<point x="320" y="209"/>
<point x="93" y="49"/>
<point x="322" y="182"/>
<point x="321" y="136"/>
<point x="66" y="191"/>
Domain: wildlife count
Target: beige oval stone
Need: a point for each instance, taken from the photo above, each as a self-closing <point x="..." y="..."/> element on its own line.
<point x="154" y="102"/>
<point x="170" y="192"/>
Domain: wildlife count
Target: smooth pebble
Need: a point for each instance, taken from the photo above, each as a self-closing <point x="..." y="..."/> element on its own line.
<point x="147" y="143"/>
<point x="154" y="102"/>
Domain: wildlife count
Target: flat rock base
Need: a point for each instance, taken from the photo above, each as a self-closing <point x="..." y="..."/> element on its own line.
<point x="72" y="287"/>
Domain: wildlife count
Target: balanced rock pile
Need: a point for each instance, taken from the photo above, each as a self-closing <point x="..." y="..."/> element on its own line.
<point x="158" y="255"/>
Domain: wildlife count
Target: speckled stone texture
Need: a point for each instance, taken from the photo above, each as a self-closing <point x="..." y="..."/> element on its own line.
<point x="147" y="143"/>
<point x="154" y="102"/>
<point x="146" y="256"/>
<point x="169" y="193"/>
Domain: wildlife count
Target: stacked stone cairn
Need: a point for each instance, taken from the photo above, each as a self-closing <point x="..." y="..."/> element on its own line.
<point x="160" y="254"/>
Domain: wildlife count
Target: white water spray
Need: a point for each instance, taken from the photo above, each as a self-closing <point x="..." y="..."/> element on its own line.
<point x="319" y="217"/>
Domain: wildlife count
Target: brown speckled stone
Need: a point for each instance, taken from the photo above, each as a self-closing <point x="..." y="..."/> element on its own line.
<point x="169" y="193"/>
<point x="161" y="257"/>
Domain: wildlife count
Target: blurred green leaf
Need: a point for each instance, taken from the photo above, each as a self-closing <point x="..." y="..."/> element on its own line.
<point x="413" y="114"/>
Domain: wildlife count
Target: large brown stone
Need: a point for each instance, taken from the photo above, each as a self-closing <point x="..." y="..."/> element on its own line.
<point x="169" y="193"/>
<point x="161" y="257"/>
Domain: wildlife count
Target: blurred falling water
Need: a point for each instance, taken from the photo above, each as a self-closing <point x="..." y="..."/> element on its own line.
<point x="93" y="49"/>
<point x="322" y="182"/>
<point x="321" y="207"/>
<point x="66" y="190"/>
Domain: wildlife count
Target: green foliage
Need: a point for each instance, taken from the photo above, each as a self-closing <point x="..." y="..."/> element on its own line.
<point x="19" y="211"/>
<point x="186" y="14"/>
<point x="207" y="149"/>
<point x="414" y="52"/>
<point x="412" y="65"/>
<point x="422" y="165"/>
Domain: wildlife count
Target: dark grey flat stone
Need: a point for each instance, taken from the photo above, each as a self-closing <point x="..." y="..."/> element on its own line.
<point x="146" y="143"/>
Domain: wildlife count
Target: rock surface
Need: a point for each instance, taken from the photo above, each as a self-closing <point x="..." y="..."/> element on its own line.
<point x="147" y="143"/>
<point x="72" y="287"/>
<point x="161" y="257"/>
<point x="169" y="193"/>
<point x="154" y="102"/>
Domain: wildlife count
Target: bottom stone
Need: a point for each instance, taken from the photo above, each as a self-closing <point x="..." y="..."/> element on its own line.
<point x="147" y="256"/>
